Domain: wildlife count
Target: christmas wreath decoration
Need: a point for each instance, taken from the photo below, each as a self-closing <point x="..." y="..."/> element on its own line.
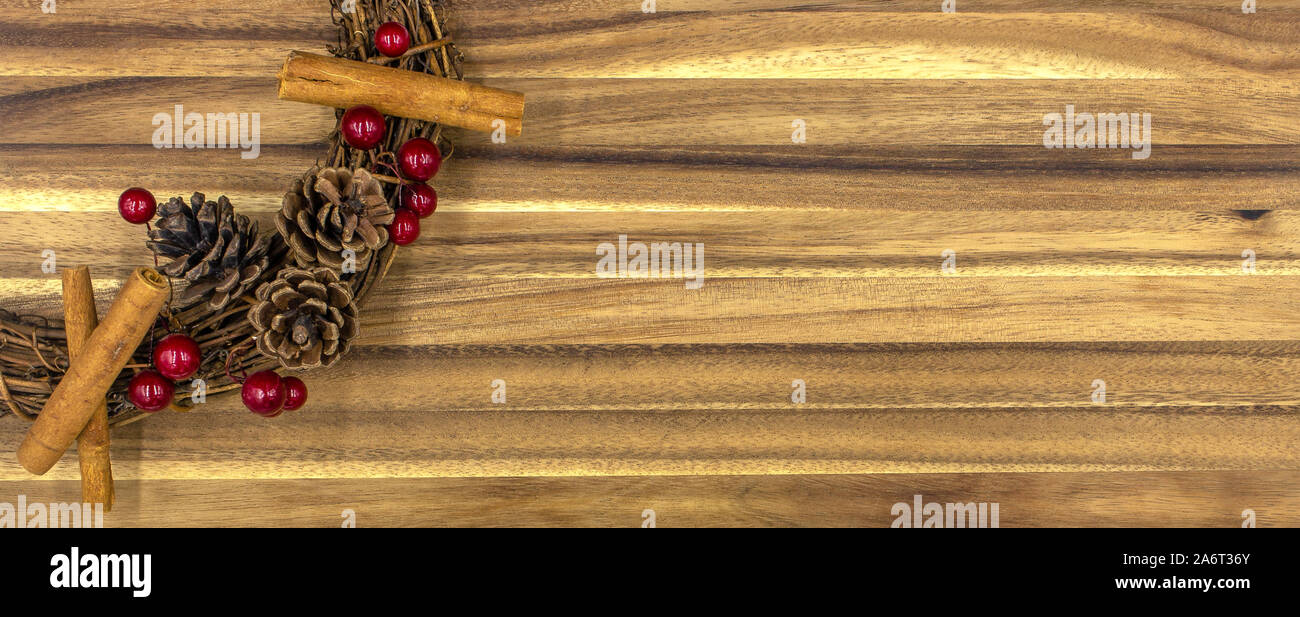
<point x="239" y="303"/>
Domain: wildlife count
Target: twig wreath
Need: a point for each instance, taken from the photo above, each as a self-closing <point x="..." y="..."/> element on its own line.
<point x="238" y="303"/>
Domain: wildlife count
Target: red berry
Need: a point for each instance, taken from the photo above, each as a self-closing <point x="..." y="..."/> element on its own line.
<point x="263" y="393"/>
<point x="392" y="39"/>
<point x="363" y="127"/>
<point x="150" y="391"/>
<point x="176" y="356"/>
<point x="420" y="159"/>
<point x="295" y="393"/>
<point x="420" y="199"/>
<point x="405" y="227"/>
<point x="137" y="205"/>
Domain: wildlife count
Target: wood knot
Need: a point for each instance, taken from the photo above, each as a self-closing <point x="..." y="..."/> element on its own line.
<point x="1251" y="215"/>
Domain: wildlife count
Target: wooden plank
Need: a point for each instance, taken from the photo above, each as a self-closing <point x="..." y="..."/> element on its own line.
<point x="263" y="17"/>
<point x="858" y="43"/>
<point x="421" y="310"/>
<point x="574" y="410"/>
<point x="50" y="110"/>
<point x="271" y="14"/>
<point x="732" y="377"/>
<point x="563" y="11"/>
<point x="223" y="441"/>
<point x="890" y="112"/>
<point x="579" y="112"/>
<point x="617" y="378"/>
<point x="872" y="45"/>
<point x="799" y="243"/>
<point x="39" y="177"/>
<point x="638" y="179"/>
<point x="1124" y="499"/>
<point x="99" y="54"/>
<point x="822" y="264"/>
<point x="108" y="38"/>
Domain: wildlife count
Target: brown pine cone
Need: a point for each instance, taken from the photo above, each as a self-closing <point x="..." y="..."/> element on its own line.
<point x="304" y="318"/>
<point x="216" y="250"/>
<point x="331" y="209"/>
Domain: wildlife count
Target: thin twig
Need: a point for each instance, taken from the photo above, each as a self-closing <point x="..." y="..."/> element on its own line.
<point x="414" y="51"/>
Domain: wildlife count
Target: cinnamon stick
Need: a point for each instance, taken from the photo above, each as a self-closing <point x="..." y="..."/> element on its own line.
<point x="339" y="82"/>
<point x="90" y="375"/>
<point x="92" y="444"/>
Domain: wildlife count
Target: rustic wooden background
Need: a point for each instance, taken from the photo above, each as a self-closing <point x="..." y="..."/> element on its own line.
<point x="822" y="263"/>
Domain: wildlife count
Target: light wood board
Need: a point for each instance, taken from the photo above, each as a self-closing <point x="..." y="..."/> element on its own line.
<point x="823" y="264"/>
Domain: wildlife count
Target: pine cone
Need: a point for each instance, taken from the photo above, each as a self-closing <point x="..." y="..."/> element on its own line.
<point x="331" y="209"/>
<point x="304" y="318"/>
<point x="216" y="250"/>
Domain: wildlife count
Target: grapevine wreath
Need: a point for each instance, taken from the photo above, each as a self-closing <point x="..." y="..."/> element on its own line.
<point x="237" y="305"/>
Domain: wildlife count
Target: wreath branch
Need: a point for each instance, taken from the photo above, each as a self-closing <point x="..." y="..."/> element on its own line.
<point x="33" y="349"/>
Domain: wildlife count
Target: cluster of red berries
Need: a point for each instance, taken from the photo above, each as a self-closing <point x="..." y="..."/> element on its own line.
<point x="419" y="159"/>
<point x="177" y="357"/>
<point x="363" y="128"/>
<point x="267" y="394"/>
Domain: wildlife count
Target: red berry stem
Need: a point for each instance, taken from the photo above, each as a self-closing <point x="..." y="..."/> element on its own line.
<point x="393" y="167"/>
<point x="235" y="352"/>
<point x="149" y="229"/>
<point x="171" y="292"/>
<point x="155" y="327"/>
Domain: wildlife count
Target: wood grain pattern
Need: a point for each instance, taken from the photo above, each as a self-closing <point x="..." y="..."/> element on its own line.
<point x="420" y="310"/>
<point x="561" y="11"/>
<point x="822" y="264"/>
<point x="864" y="243"/>
<point x="734" y="111"/>
<point x="723" y="178"/>
<point x="725" y="409"/>
<point x="614" y="112"/>
<point x="386" y="443"/>
<point x="78" y="114"/>
<point x="857" y="44"/>
<point x="1122" y="499"/>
